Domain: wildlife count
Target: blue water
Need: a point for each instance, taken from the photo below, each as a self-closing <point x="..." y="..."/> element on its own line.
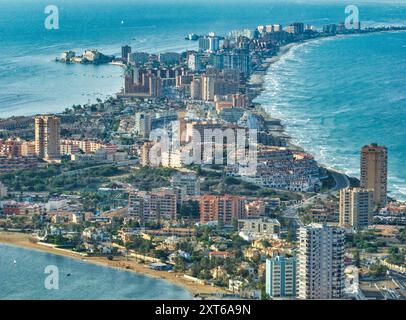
<point x="25" y="279"/>
<point x="31" y="83"/>
<point x="336" y="95"/>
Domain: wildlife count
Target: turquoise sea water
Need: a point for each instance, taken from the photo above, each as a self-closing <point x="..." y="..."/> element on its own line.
<point x="336" y="95"/>
<point x="25" y="279"/>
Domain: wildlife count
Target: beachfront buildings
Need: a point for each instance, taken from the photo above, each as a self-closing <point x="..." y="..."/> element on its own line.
<point x="280" y="277"/>
<point x="142" y="83"/>
<point x="209" y="43"/>
<point x="320" y="262"/>
<point x="125" y="51"/>
<point x="143" y="122"/>
<point x="47" y="137"/>
<point x="374" y="172"/>
<point x="356" y="207"/>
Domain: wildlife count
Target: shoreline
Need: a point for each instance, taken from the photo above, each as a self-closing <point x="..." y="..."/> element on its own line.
<point x="25" y="241"/>
<point x="340" y="175"/>
<point x="260" y="79"/>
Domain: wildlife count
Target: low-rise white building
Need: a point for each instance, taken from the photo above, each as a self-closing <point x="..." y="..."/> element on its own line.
<point x="262" y="228"/>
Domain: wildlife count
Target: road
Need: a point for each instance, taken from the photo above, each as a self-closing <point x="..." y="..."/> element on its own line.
<point x="342" y="181"/>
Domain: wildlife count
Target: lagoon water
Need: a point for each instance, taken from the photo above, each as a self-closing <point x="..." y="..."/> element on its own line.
<point x="25" y="279"/>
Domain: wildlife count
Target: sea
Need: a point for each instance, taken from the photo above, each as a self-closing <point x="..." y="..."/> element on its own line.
<point x="25" y="275"/>
<point x="333" y="95"/>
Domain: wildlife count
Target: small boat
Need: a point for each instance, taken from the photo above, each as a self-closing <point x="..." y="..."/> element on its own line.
<point x="14" y="261"/>
<point x="68" y="274"/>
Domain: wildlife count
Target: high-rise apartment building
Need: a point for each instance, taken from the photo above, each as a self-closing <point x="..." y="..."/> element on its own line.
<point x="125" y="51"/>
<point x="320" y="260"/>
<point x="145" y="156"/>
<point x="280" y="281"/>
<point x="374" y="172"/>
<point x="224" y="209"/>
<point x="47" y="137"/>
<point x="240" y="60"/>
<point x="139" y="58"/>
<point x="196" y="89"/>
<point x="195" y="62"/>
<point x="142" y="125"/>
<point x="209" y="43"/>
<point x="208" y="86"/>
<point x="356" y="207"/>
<point x="155" y="86"/>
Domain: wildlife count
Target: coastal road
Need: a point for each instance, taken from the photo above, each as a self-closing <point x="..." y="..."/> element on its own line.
<point x="399" y="279"/>
<point x="341" y="180"/>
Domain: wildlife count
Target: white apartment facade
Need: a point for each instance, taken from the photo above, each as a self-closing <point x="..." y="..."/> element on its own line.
<point x="320" y="271"/>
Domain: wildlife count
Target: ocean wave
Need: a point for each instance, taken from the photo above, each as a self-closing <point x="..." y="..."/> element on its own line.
<point x="313" y="113"/>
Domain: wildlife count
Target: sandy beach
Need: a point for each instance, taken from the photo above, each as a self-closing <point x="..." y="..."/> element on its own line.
<point x="27" y="241"/>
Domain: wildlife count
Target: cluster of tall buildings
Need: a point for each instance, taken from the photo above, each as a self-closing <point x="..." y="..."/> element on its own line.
<point x="47" y="137"/>
<point x="374" y="172"/>
<point x="46" y="144"/>
<point x="209" y="85"/>
<point x="161" y="204"/>
<point x="210" y="43"/>
<point x="358" y="204"/>
<point x="200" y="74"/>
<point x="356" y="207"/>
<point x="143" y="83"/>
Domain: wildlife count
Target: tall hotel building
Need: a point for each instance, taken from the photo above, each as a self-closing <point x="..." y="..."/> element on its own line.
<point x="374" y="172"/>
<point x="320" y="271"/>
<point x="281" y="277"/>
<point x="356" y="207"/>
<point x="47" y="137"/>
